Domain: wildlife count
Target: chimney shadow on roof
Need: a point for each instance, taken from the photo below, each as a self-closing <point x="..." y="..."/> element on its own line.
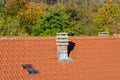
<point x="70" y="47"/>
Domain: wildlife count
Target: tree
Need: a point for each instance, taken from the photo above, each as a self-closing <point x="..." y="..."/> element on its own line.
<point x="12" y="7"/>
<point x="55" y="20"/>
<point x="9" y="26"/>
<point x="30" y="15"/>
<point x="107" y="15"/>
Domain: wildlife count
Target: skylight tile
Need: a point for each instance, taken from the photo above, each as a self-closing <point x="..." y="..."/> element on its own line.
<point x="33" y="71"/>
<point x="27" y="66"/>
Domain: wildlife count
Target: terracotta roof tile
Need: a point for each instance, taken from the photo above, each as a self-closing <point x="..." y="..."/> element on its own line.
<point x="94" y="58"/>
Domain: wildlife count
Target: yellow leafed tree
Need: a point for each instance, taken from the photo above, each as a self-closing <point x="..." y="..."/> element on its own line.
<point x="106" y="15"/>
<point x="32" y="12"/>
<point x="30" y="15"/>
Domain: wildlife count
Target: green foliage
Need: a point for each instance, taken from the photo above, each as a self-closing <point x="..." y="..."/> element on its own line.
<point x="77" y="17"/>
<point x="81" y="20"/>
<point x="2" y="5"/>
<point x="55" y="20"/>
<point x="9" y="26"/>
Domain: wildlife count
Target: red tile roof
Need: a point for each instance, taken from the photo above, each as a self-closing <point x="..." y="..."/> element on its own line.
<point x="94" y="58"/>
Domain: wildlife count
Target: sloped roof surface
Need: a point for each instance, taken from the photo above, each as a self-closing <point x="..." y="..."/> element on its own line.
<point x="94" y="58"/>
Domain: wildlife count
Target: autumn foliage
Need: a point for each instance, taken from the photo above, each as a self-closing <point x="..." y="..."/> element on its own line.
<point x="107" y="15"/>
<point x="31" y="12"/>
<point x="47" y="17"/>
<point x="13" y="6"/>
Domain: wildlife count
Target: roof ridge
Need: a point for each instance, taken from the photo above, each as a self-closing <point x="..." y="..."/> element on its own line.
<point x="52" y="37"/>
<point x="25" y="38"/>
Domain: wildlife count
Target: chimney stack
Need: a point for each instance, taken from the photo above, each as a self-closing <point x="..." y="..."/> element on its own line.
<point x="62" y="47"/>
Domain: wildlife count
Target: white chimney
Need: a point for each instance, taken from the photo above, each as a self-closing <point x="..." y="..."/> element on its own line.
<point x="62" y="47"/>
